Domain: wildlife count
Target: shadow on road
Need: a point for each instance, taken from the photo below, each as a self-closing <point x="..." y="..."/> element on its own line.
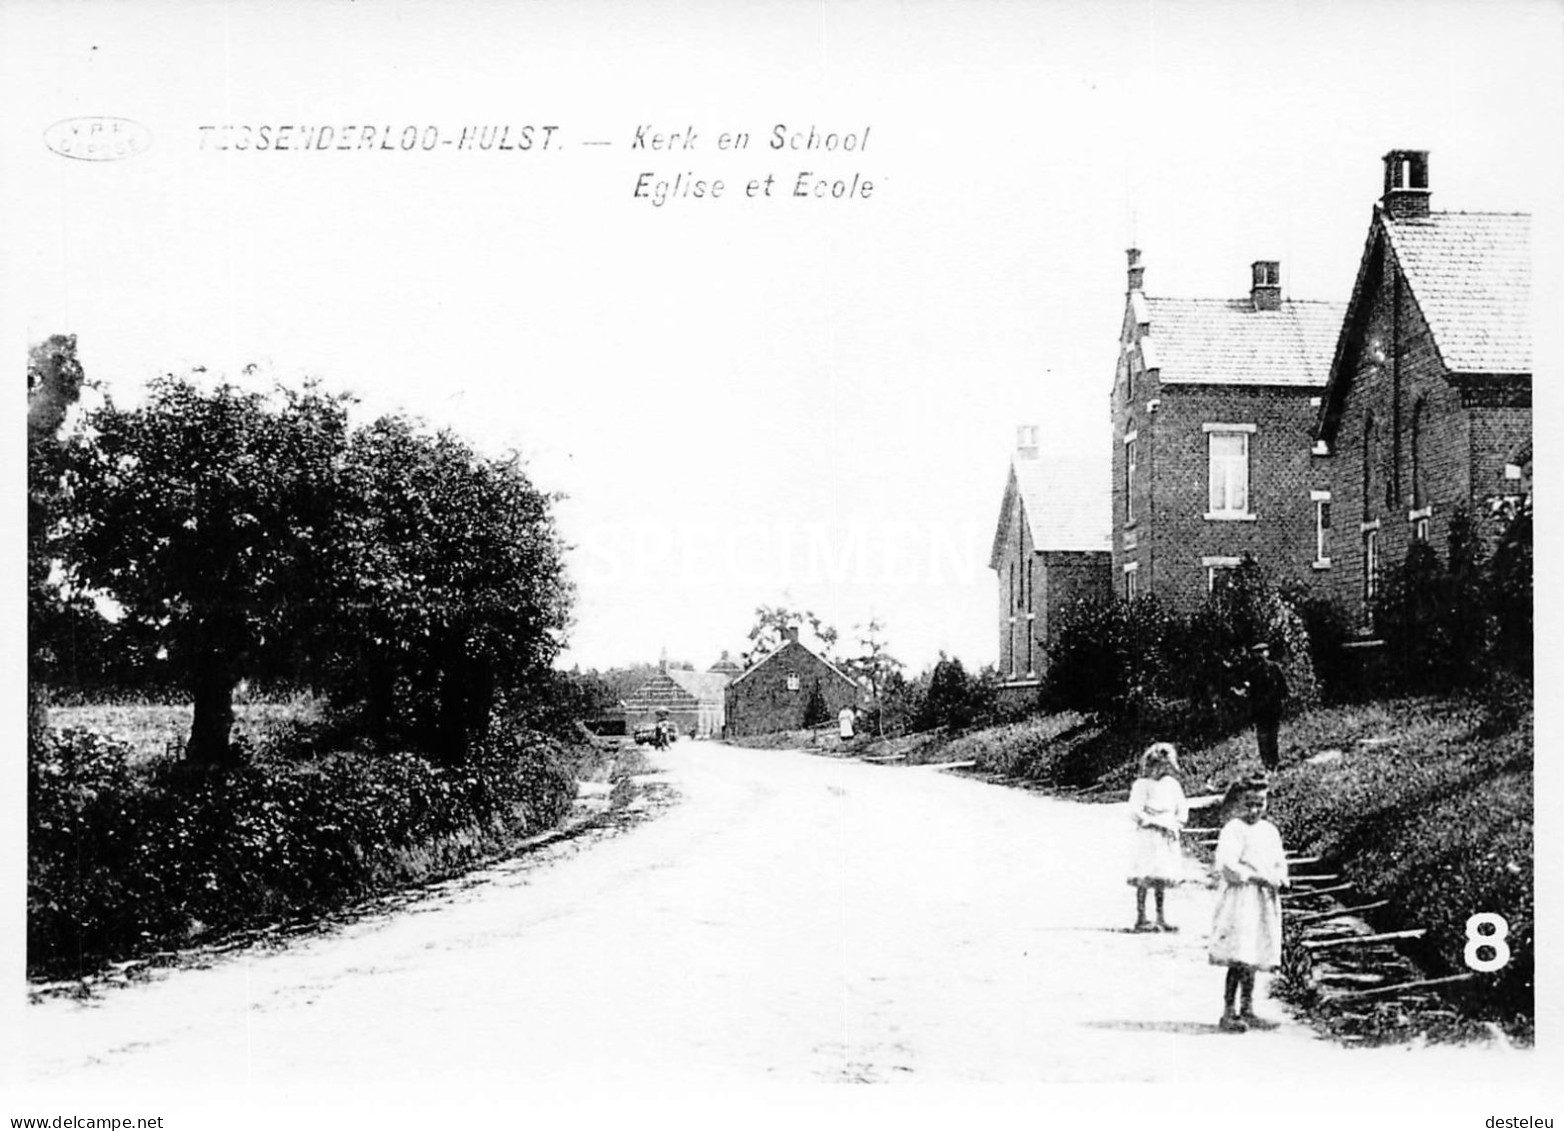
<point x="1188" y="1028"/>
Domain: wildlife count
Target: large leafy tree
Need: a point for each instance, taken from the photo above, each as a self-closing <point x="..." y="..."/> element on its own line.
<point x="207" y="516"/>
<point x="769" y="632"/>
<point x="451" y="593"/>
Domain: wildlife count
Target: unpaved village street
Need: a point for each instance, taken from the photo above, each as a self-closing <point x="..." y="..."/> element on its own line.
<point x="790" y="917"/>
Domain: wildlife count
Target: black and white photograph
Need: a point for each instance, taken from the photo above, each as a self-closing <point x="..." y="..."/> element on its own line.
<point x="823" y="562"/>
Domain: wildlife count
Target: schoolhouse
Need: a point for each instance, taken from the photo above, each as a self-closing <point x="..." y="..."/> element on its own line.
<point x="1213" y="409"/>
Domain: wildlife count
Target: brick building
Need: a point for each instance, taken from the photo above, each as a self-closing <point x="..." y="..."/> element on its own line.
<point x="695" y="702"/>
<point x="772" y="695"/>
<point x="1214" y="407"/>
<point x="1428" y="407"/>
<point x="1050" y="551"/>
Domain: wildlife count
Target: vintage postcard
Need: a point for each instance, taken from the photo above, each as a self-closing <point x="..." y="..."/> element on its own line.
<point x="769" y="561"/>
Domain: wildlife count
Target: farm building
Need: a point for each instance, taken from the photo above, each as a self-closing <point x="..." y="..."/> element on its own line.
<point x="773" y="694"/>
<point x="692" y="701"/>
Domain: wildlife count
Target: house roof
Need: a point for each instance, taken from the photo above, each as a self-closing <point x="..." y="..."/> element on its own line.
<point x="784" y="650"/>
<point x="1064" y="499"/>
<point x="1209" y="341"/>
<point x="1470" y="273"/>
<point x="705" y="686"/>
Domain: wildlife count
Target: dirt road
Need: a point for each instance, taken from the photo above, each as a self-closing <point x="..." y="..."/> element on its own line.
<point x="791" y="917"/>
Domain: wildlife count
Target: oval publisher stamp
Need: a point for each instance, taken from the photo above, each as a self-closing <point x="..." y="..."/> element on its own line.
<point x="98" y="138"/>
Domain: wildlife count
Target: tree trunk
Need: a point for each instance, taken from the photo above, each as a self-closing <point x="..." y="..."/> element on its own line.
<point x="212" y="688"/>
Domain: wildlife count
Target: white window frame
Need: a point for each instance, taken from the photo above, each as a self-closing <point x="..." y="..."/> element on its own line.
<point x="1322" y="528"/>
<point x="1420" y="520"/>
<point x="1131" y="580"/>
<point x="794" y="683"/>
<point x="1223" y="509"/>
<point x="1213" y="565"/>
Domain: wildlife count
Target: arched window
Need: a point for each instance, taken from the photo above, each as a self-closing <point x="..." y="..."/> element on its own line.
<point x="1368" y="465"/>
<point x="1419" y="496"/>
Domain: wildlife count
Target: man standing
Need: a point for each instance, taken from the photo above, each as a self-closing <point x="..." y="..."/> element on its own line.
<point x="1267" y="692"/>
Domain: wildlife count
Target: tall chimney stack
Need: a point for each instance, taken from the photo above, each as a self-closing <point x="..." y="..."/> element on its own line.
<point x="1406" y="184"/>
<point x="1026" y="441"/>
<point x="1265" y="292"/>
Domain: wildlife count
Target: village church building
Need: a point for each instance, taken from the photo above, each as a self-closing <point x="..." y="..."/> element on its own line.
<point x="1428" y="406"/>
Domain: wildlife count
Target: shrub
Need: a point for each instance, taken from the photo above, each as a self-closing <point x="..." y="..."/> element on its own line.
<point x="125" y="858"/>
<point x="816" y="713"/>
<point x="954" y="699"/>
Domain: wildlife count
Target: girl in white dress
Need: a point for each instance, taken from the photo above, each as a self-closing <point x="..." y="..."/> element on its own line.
<point x="1159" y="810"/>
<point x="1246" y="934"/>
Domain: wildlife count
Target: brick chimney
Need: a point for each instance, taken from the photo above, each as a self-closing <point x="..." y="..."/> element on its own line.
<point x="1265" y="291"/>
<point x="1137" y="273"/>
<point x="1026" y="441"/>
<point x="792" y="634"/>
<point x="1406" y="184"/>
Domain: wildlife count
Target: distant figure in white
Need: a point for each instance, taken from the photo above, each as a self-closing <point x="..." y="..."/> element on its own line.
<point x="844" y="724"/>
<point x="1159" y="810"/>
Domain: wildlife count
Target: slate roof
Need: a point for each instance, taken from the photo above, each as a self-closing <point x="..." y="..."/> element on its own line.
<point x="1470" y="273"/>
<point x="1228" y="342"/>
<point x="1066" y="503"/>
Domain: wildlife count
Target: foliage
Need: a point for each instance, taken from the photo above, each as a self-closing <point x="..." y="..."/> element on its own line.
<point x="54" y="383"/>
<point x="816" y="712"/>
<point x="1449" y="624"/>
<point x="873" y="666"/>
<point x="954" y="699"/>
<point x="206" y="517"/>
<point x="770" y="632"/>
<point x="125" y="858"/>
<point x="449" y="580"/>
<point x="1136" y="662"/>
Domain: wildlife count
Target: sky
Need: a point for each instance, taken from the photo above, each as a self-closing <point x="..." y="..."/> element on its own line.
<point x="746" y="399"/>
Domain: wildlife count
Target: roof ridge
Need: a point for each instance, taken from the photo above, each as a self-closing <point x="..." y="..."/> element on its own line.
<point x="1244" y="299"/>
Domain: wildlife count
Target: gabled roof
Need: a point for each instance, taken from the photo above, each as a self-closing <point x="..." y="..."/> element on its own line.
<point x="1206" y="341"/>
<point x="1470" y="273"/>
<point x="1064" y="500"/>
<point x="784" y="650"/>
<point x="705" y="686"/>
<point x="662" y="690"/>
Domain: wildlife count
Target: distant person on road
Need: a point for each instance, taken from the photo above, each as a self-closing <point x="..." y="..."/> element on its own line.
<point x="844" y="724"/>
<point x="1160" y="811"/>
<point x="1266" y="690"/>
<point x="1246" y="931"/>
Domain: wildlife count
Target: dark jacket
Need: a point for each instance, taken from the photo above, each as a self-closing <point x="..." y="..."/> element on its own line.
<point x="1267" y="690"/>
